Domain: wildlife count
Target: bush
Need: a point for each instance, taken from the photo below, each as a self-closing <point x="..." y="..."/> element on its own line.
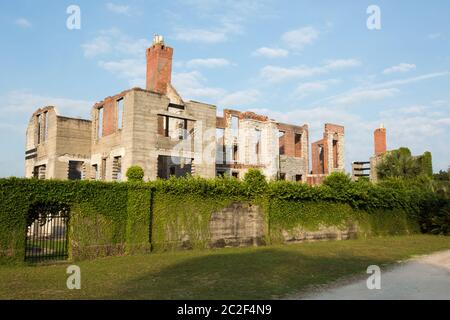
<point x="135" y="173"/>
<point x="338" y="180"/>
<point x="115" y="218"/>
<point x="103" y="215"/>
<point x="255" y="182"/>
<point x="441" y="222"/>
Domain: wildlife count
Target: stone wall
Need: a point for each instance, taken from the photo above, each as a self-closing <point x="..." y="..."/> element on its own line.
<point x="54" y="142"/>
<point x="300" y="234"/>
<point x="239" y="224"/>
<point x="245" y="224"/>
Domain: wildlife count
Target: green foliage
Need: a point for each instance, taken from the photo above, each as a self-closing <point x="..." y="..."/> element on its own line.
<point x="426" y="164"/>
<point x="255" y="182"/>
<point x="442" y="175"/>
<point x="99" y="215"/>
<point x="289" y="216"/>
<point x="182" y="209"/>
<point x="338" y="180"/>
<point x="133" y="217"/>
<point x="401" y="164"/>
<point x="135" y="173"/>
<point x="398" y="163"/>
<point x="441" y="221"/>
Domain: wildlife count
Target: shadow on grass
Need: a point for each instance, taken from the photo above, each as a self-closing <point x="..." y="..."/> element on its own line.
<point x="255" y="274"/>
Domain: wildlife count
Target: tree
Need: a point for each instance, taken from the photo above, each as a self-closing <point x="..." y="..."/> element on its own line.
<point x="135" y="173"/>
<point x="399" y="163"/>
<point x="442" y="176"/>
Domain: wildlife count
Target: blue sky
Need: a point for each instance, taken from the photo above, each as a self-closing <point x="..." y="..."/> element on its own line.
<point x="296" y="61"/>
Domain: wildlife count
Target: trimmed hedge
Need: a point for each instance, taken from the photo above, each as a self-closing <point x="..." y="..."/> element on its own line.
<point x="132" y="217"/>
<point x="103" y="216"/>
<point x="182" y="208"/>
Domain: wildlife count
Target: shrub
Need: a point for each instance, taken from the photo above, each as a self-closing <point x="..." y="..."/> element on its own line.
<point x="441" y="221"/>
<point x="255" y="182"/>
<point x="338" y="180"/>
<point x="135" y="173"/>
<point x="99" y="214"/>
<point x="116" y="218"/>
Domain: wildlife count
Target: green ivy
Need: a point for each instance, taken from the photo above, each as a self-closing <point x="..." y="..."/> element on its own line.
<point x="109" y="218"/>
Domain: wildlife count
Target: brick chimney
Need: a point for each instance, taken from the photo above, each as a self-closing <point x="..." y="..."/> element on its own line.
<point x="379" y="136"/>
<point x="159" y="66"/>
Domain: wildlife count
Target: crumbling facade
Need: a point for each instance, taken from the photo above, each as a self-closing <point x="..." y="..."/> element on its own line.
<point x="247" y="140"/>
<point x="327" y="154"/>
<point x="165" y="135"/>
<point x="368" y="169"/>
<point x="380" y="148"/>
<point x="56" y="147"/>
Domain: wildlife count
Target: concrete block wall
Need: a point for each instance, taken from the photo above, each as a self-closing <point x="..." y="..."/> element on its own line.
<point x="68" y="139"/>
<point x="113" y="142"/>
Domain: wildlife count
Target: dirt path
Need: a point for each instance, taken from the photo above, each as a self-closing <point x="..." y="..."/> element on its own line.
<point x="425" y="277"/>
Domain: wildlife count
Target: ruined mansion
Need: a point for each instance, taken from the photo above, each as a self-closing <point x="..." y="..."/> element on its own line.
<point x="157" y="130"/>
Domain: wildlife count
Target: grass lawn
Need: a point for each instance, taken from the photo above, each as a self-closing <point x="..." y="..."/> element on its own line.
<point x="233" y="273"/>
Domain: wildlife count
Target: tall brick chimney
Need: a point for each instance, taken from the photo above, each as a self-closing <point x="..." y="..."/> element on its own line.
<point x="379" y="136"/>
<point x="159" y="66"/>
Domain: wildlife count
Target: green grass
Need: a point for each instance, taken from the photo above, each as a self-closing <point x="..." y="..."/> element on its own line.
<point x="234" y="273"/>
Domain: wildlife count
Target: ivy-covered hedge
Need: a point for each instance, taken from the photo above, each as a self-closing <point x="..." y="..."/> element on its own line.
<point x="129" y="217"/>
<point x="105" y="218"/>
<point x="182" y="209"/>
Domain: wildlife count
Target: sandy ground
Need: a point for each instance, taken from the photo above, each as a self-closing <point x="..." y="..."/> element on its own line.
<point x="421" y="278"/>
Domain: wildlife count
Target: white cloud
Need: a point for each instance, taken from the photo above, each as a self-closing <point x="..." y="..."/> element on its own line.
<point x="435" y="36"/>
<point x="414" y="124"/>
<point x="224" y="29"/>
<point x="208" y="63"/>
<point x="307" y="88"/>
<point x="364" y="95"/>
<point x="270" y="52"/>
<point x="400" y="68"/>
<point x="278" y="74"/>
<point x="113" y="41"/>
<point x="121" y="54"/>
<point x="200" y="35"/>
<point x="410" y="80"/>
<point x="19" y="105"/>
<point x="415" y="127"/>
<point x="97" y="46"/>
<point x="441" y="103"/>
<point x="192" y="85"/>
<point x="117" y="8"/>
<point x="23" y="23"/>
<point x="337" y="64"/>
<point x="132" y="69"/>
<point x="373" y="89"/>
<point x="239" y="98"/>
<point x="15" y="112"/>
<point x="299" y="38"/>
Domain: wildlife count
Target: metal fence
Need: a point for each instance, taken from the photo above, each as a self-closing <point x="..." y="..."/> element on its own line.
<point x="46" y="235"/>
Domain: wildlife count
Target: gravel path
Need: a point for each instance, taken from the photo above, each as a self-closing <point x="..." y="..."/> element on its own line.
<point x="421" y="278"/>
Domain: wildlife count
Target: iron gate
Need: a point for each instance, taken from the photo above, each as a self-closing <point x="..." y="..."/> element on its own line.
<point x="46" y="234"/>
